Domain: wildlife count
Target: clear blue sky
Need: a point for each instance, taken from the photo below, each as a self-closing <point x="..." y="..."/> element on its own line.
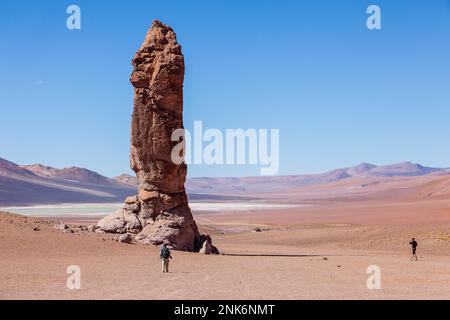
<point x="339" y="93"/>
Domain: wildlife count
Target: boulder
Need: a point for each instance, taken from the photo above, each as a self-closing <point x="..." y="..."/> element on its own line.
<point x="207" y="247"/>
<point x="113" y="223"/>
<point x="131" y="200"/>
<point x="126" y="238"/>
<point x="173" y="230"/>
<point x="60" y="226"/>
<point x="132" y="223"/>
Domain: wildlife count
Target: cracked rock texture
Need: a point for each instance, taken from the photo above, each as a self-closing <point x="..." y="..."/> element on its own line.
<point x="160" y="212"/>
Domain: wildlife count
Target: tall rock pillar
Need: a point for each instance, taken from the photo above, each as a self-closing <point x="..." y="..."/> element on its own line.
<point x="157" y="78"/>
<point x="160" y="212"/>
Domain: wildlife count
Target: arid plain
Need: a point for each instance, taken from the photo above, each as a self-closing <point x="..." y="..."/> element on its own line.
<point x="319" y="247"/>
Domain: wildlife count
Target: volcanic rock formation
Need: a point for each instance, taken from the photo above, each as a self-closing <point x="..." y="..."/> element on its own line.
<point x="160" y="212"/>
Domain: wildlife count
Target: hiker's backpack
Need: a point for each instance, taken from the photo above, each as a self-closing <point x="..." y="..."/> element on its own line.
<point x="165" y="253"/>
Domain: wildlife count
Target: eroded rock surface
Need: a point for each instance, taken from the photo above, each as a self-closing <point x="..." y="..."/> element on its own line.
<point x="160" y="212"/>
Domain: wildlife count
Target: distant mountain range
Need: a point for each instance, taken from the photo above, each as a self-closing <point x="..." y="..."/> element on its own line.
<point x="273" y="183"/>
<point x="39" y="184"/>
<point x="284" y="183"/>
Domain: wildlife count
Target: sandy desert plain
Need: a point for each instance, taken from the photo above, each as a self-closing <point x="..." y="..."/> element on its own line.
<point x="317" y="244"/>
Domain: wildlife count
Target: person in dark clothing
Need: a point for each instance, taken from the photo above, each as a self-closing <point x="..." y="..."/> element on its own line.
<point x="413" y="244"/>
<point x="164" y="254"/>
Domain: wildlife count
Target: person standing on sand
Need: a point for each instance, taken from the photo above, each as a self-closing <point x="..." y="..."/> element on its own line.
<point x="164" y="254"/>
<point x="413" y="244"/>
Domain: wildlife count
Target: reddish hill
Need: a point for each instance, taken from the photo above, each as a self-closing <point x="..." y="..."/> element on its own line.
<point x="38" y="184"/>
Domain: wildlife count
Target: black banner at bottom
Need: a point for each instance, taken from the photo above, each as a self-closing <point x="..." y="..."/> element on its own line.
<point x="231" y="309"/>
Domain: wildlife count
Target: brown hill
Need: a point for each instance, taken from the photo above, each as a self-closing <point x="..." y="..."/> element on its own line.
<point x="19" y="185"/>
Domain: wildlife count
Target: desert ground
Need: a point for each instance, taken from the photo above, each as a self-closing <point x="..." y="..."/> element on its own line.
<point x="319" y="251"/>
